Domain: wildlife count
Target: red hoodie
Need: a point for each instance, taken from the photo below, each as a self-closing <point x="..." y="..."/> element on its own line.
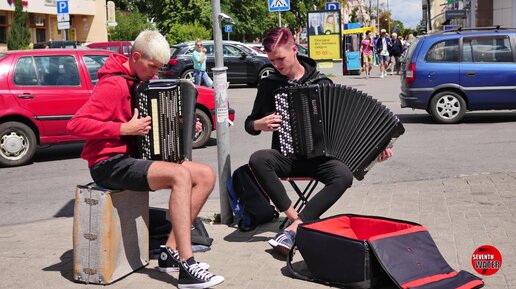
<point x="99" y="119"/>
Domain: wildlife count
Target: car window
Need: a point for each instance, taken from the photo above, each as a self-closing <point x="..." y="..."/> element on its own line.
<point x="246" y="49"/>
<point x="93" y="64"/>
<point x="231" y="51"/>
<point x="189" y="51"/>
<point x="493" y="49"/>
<point x="127" y="49"/>
<point x="209" y="50"/>
<point x="113" y="48"/>
<point x="25" y="72"/>
<point x="68" y="71"/>
<point x="444" y="51"/>
<point x="2" y="55"/>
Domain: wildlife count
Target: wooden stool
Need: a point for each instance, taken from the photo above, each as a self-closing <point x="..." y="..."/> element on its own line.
<point x="303" y="196"/>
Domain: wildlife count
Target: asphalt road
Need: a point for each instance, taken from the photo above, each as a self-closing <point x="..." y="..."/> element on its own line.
<point x="485" y="142"/>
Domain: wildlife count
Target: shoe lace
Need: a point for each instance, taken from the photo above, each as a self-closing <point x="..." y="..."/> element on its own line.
<point x="174" y="254"/>
<point x="199" y="272"/>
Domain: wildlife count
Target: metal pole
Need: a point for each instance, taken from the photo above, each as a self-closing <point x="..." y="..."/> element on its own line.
<point x="279" y="18"/>
<point x="220" y="85"/>
<point x="378" y="15"/>
<point x="473" y="13"/>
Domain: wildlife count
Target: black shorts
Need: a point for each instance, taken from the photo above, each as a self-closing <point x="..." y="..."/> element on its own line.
<point x="122" y="172"/>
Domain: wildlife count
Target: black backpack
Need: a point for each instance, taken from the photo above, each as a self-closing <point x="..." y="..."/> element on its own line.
<point x="249" y="203"/>
<point x="160" y="227"/>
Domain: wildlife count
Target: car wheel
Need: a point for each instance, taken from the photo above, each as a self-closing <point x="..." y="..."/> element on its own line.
<point x="17" y="144"/>
<point x="188" y="74"/>
<point x="265" y="72"/>
<point x="447" y="107"/>
<point x="202" y="137"/>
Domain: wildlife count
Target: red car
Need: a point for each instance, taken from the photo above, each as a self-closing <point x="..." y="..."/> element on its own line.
<point x="40" y="90"/>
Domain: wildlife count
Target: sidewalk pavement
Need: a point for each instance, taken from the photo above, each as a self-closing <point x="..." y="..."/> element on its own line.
<point x="461" y="213"/>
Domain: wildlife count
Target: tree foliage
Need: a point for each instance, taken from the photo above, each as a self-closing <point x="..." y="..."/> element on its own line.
<point x="19" y="36"/>
<point x="187" y="32"/>
<point x="129" y="25"/>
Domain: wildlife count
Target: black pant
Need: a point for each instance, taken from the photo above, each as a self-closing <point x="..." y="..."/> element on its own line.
<point x="270" y="165"/>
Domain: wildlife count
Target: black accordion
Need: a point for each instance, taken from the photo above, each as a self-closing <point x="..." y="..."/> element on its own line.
<point x="335" y="121"/>
<point x="171" y="106"/>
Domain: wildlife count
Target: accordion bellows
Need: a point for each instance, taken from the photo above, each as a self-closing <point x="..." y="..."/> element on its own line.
<point x="335" y="121"/>
<point x="171" y="106"/>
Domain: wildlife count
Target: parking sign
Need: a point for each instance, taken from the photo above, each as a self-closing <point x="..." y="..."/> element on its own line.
<point x="228" y="28"/>
<point x="62" y="6"/>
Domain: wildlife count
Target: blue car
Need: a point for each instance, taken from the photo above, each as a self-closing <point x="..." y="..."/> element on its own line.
<point x="449" y="73"/>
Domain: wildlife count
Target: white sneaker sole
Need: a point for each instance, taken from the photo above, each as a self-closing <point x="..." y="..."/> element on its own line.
<point x="284" y="250"/>
<point x="215" y="280"/>
<point x="204" y="266"/>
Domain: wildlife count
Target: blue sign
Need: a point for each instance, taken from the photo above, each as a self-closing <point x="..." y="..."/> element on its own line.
<point x="279" y="5"/>
<point x="62" y="7"/>
<point x="228" y="28"/>
<point x="332" y="6"/>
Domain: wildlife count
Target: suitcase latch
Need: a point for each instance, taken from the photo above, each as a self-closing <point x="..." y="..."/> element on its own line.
<point x="90" y="236"/>
<point x="91" y="202"/>
<point x="90" y="271"/>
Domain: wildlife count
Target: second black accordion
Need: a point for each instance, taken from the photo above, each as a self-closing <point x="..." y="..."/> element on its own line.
<point x="335" y="121"/>
<point x="171" y="106"/>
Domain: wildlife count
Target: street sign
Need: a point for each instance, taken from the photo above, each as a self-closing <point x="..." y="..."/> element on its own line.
<point x="63" y="17"/>
<point x="279" y="5"/>
<point x="228" y="28"/>
<point x="62" y="6"/>
<point x="452" y="14"/>
<point x="63" y="25"/>
<point x="332" y="6"/>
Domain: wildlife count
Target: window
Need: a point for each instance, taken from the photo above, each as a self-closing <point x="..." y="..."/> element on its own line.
<point x="56" y="71"/>
<point x="94" y="63"/>
<point x="231" y="51"/>
<point x="25" y="72"/>
<point x="444" y="51"/>
<point x="3" y="28"/>
<point x="490" y="49"/>
<point x="209" y="50"/>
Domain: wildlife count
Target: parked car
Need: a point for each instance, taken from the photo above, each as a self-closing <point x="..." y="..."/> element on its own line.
<point x="244" y="65"/>
<point x="41" y="89"/>
<point x="451" y="72"/>
<point x="56" y="44"/>
<point x="122" y="47"/>
<point x="301" y="50"/>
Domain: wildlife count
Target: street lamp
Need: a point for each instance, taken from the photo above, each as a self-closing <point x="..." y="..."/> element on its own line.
<point x="388" y="26"/>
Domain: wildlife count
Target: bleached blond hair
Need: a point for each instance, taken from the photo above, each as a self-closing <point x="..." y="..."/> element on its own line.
<point x="152" y="45"/>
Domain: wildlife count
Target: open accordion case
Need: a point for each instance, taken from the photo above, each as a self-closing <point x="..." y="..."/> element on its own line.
<point x="354" y="251"/>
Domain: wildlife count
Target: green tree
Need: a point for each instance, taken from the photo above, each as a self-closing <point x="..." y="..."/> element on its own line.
<point x="187" y="32"/>
<point x="129" y="25"/>
<point x="19" y="36"/>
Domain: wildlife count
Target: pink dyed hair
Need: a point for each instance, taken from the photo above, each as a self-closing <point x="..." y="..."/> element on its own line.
<point x="277" y="37"/>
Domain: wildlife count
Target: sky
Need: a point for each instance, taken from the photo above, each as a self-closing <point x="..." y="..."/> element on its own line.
<point x="406" y="11"/>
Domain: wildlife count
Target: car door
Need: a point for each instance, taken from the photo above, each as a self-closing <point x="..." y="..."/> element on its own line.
<point x="488" y="71"/>
<point x="51" y="87"/>
<point x="236" y="62"/>
<point x="440" y="68"/>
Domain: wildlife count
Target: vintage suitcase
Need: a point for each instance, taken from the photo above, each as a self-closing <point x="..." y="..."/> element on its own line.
<point x="355" y="251"/>
<point x="110" y="233"/>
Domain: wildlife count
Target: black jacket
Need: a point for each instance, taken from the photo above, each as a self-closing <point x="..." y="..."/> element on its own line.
<point x="264" y="101"/>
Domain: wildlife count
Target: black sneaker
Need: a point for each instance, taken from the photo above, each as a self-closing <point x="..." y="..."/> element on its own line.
<point x="191" y="275"/>
<point x="168" y="260"/>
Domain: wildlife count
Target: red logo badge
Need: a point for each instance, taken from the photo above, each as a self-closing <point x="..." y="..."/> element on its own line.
<point x="486" y="260"/>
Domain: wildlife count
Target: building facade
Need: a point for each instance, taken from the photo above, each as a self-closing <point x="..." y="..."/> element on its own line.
<point x="87" y="20"/>
<point x="485" y="13"/>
